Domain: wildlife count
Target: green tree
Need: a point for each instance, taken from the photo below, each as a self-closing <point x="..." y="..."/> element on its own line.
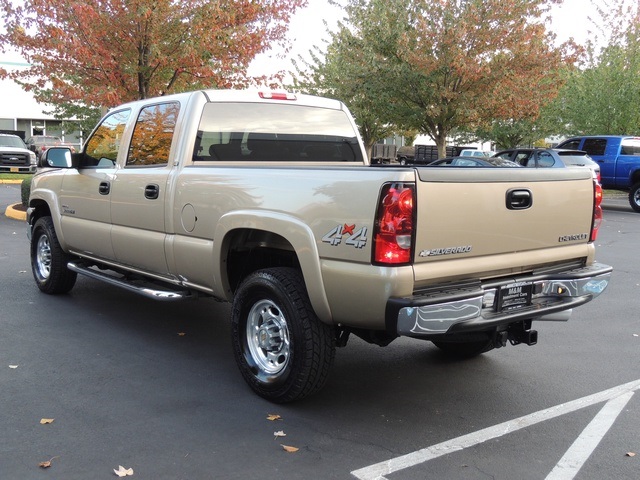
<point x="104" y="53"/>
<point x="449" y="66"/>
<point x="600" y="97"/>
<point x="342" y="73"/>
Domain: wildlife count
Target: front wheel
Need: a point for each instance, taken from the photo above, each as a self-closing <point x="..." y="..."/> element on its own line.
<point x="282" y="349"/>
<point x="634" y="197"/>
<point x="48" y="260"/>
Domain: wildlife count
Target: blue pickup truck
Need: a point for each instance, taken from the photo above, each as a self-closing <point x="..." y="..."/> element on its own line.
<point x="619" y="160"/>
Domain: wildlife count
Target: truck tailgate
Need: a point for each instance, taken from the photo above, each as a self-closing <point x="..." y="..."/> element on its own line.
<point x="468" y="213"/>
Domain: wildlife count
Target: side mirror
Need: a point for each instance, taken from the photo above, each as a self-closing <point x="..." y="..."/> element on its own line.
<point x="57" y="157"/>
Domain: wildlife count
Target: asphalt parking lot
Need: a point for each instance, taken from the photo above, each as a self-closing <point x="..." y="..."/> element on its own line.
<point x="153" y="387"/>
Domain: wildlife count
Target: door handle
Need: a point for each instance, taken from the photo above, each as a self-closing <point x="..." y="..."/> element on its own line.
<point x="104" y="188"/>
<point x="519" y="199"/>
<point x="151" y="191"/>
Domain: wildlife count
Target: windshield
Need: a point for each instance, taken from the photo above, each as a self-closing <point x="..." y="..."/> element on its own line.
<point x="11" y="141"/>
<point x="576" y="160"/>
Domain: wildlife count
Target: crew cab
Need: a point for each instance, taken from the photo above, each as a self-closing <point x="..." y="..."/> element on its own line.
<point x="619" y="160"/>
<point x="267" y="200"/>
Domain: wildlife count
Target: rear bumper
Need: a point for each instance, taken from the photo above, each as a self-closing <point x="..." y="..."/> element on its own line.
<point x="478" y="306"/>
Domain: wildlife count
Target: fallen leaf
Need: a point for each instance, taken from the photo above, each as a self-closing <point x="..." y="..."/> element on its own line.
<point x="13" y="366"/>
<point x="289" y="449"/>
<point x="46" y="421"/>
<point x="123" y="472"/>
<point x="181" y="334"/>
<point x="631" y="454"/>
<point x="46" y="464"/>
<point x="273" y="416"/>
<point x="279" y="434"/>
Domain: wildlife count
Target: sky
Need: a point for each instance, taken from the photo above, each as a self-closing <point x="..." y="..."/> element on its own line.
<point x="307" y="29"/>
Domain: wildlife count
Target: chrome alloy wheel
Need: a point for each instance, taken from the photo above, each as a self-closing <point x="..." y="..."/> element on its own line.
<point x="43" y="257"/>
<point x="268" y="337"/>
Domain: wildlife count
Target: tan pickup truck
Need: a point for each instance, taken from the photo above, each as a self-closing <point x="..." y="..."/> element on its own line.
<point x="267" y="200"/>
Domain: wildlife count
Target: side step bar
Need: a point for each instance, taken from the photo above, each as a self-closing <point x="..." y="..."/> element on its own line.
<point x="154" y="293"/>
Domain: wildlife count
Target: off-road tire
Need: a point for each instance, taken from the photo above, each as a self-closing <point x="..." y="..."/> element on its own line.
<point x="48" y="260"/>
<point x="282" y="349"/>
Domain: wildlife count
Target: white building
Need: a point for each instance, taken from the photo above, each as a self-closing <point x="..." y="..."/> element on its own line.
<point x="21" y="114"/>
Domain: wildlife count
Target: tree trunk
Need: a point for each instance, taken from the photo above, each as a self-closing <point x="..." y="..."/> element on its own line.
<point x="441" y="143"/>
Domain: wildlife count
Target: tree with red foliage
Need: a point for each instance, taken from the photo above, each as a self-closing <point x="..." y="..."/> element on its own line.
<point x="106" y="52"/>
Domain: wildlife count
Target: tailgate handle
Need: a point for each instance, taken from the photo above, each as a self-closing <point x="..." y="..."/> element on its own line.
<point x="519" y="199"/>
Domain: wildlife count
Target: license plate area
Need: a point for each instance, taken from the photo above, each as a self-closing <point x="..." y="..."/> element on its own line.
<point x="514" y="296"/>
<point x="14" y="170"/>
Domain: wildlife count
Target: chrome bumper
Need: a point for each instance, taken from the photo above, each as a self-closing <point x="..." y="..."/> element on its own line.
<point x="475" y="307"/>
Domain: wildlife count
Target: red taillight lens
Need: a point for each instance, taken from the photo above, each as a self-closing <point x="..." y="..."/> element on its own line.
<point x="278" y="95"/>
<point x="393" y="234"/>
<point x="597" y="210"/>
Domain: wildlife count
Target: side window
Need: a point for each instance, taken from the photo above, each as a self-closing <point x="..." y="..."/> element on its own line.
<point x="522" y="158"/>
<point x="571" y="145"/>
<point x="152" y="135"/>
<point x="595" y="146"/>
<point x="630" y="146"/>
<point x="102" y="147"/>
<point x="545" y="159"/>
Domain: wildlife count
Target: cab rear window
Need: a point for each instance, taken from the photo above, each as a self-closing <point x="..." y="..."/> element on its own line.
<point x="230" y="132"/>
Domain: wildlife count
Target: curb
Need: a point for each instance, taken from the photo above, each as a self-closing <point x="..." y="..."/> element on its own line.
<point x="14" y="213"/>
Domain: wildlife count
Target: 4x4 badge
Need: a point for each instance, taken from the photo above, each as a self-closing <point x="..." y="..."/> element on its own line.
<point x="354" y="238"/>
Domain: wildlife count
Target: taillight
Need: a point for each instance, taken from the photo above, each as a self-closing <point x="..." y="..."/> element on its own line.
<point x="597" y="210"/>
<point x="394" y="226"/>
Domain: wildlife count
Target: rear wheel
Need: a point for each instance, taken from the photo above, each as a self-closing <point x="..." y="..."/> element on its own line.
<point x="48" y="260"/>
<point x="634" y="197"/>
<point x="465" y="349"/>
<point x="282" y="349"/>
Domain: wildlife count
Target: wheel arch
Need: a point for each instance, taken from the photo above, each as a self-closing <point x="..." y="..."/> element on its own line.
<point x="634" y="177"/>
<point x="248" y="241"/>
<point x="43" y="206"/>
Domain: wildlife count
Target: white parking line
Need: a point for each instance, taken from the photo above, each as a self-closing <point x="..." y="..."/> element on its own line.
<point x="572" y="461"/>
<point x="379" y="470"/>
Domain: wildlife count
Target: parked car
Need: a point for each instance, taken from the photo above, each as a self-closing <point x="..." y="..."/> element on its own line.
<point x="549" y="158"/>
<point x="462" y="161"/>
<point x="40" y="143"/>
<point x="619" y="159"/>
<point x="14" y="155"/>
<point x="469" y="152"/>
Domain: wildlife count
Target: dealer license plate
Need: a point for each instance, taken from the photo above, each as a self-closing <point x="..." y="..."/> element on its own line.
<point x="514" y="296"/>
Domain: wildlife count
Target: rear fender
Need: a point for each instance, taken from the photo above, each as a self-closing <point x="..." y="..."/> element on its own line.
<point x="295" y="232"/>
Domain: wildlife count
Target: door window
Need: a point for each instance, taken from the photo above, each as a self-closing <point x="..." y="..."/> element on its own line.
<point x="152" y="135"/>
<point x="595" y="146"/>
<point x="104" y="144"/>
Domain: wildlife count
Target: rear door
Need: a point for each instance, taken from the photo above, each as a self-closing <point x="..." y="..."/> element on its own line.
<point x="603" y="151"/>
<point x="140" y="190"/>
